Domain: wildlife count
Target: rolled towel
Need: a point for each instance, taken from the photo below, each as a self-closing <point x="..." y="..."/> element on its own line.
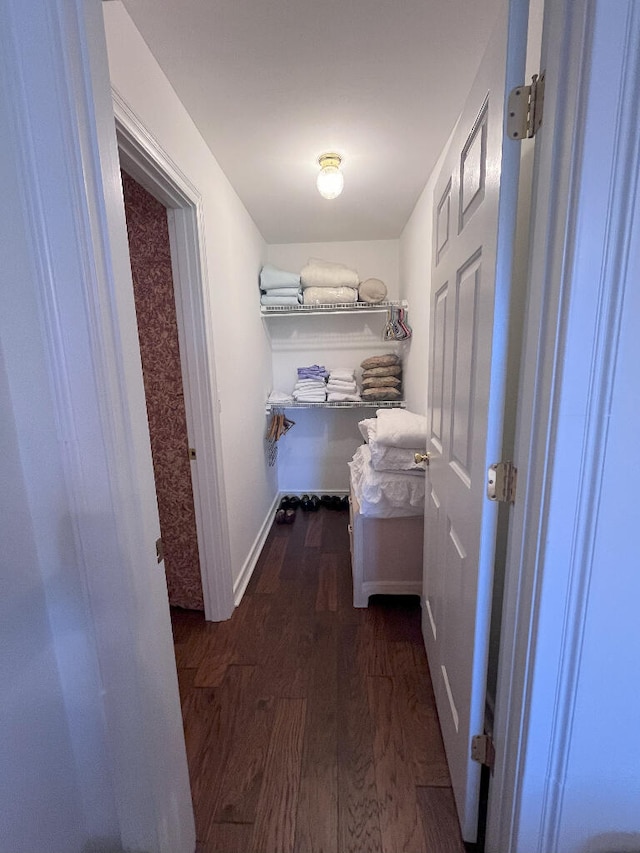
<point x="279" y="300"/>
<point x="271" y="277"/>
<point x="319" y="273"/>
<point x="372" y="290"/>
<point x="329" y="295"/>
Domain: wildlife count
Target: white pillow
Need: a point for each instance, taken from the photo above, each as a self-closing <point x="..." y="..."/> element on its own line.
<point x="367" y="429"/>
<point x="401" y="428"/>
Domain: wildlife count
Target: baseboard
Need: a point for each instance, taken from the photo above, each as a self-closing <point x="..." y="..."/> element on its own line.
<point x="250" y="563"/>
<point x="391" y="588"/>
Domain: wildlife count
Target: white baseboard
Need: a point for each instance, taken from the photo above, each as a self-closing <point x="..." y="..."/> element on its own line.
<point x="244" y="577"/>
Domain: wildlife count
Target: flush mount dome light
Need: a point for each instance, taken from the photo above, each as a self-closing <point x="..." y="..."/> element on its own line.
<point x="330" y="180"/>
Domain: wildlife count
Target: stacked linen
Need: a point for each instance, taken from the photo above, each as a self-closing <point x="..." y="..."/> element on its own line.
<point x="311" y="386"/>
<point x="342" y="386"/>
<point x="382" y="378"/>
<point x="387" y="480"/>
<point x="278" y="287"/>
<point x="327" y="283"/>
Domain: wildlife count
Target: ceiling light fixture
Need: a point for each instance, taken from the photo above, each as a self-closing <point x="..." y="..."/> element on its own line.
<point x="330" y="180"/>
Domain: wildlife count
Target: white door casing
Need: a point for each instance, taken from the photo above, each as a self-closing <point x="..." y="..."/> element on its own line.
<point x="474" y="223"/>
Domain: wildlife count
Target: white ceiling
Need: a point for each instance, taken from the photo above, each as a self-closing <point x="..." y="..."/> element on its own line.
<point x="272" y="84"/>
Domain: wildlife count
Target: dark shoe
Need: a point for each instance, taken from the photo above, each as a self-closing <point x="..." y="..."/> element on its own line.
<point x="294" y="501"/>
<point x="285" y="503"/>
<point x="281" y="516"/>
<point x="344" y="502"/>
<point x="305" y="503"/>
<point x="325" y="500"/>
<point x="314" y="500"/>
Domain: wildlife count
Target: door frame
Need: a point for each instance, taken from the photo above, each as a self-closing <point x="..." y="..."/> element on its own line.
<point x="586" y="151"/>
<point x="145" y="160"/>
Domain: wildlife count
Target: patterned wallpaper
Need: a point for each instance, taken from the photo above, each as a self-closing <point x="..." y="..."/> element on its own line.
<point x="158" y="334"/>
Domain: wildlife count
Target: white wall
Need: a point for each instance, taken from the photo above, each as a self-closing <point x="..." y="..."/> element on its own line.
<point x="313" y="456"/>
<point x="235" y="251"/>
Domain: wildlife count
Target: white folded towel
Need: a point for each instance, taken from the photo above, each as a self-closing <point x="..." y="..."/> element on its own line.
<point x="337" y="397"/>
<point x="279" y="300"/>
<point x="329" y="295"/>
<point x="271" y="277"/>
<point x="276" y="397"/>
<point x="342" y="374"/>
<point x="311" y="383"/>
<point x="319" y="273"/>
<point x="342" y="387"/>
<point x="310" y="398"/>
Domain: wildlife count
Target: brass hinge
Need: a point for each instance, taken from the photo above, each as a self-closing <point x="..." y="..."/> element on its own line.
<point x="192" y="453"/>
<point x="159" y="550"/>
<point x="502" y="479"/>
<point x="524" y="109"/>
<point x="483" y="750"/>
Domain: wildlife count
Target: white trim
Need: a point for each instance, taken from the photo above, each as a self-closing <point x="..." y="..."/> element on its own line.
<point x="522" y="818"/>
<point x="368" y="588"/>
<point x="63" y="115"/>
<point x="146" y="161"/>
<point x="250" y="563"/>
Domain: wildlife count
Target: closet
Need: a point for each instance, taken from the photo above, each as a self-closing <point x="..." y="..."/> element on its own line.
<point x="313" y="456"/>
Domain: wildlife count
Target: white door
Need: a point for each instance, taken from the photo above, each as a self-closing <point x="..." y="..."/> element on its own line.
<point x="474" y="221"/>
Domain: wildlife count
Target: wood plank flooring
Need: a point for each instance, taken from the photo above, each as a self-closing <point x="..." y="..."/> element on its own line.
<point x="311" y="726"/>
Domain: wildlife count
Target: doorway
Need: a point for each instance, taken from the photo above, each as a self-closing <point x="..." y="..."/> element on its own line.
<point x="146" y="162"/>
<point x="150" y="254"/>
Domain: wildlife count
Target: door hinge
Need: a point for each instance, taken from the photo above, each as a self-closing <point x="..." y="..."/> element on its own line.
<point x="524" y="109"/>
<point x="502" y="478"/>
<point x="483" y="750"/>
<point x="192" y="453"/>
<point x="159" y="550"/>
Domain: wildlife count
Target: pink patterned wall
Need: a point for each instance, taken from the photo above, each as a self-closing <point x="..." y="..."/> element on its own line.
<point x="158" y="334"/>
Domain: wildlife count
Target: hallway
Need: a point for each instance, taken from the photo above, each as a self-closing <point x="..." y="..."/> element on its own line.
<point x="311" y="726"/>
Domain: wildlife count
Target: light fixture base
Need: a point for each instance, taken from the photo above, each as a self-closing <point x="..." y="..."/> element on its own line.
<point x="325" y="160"/>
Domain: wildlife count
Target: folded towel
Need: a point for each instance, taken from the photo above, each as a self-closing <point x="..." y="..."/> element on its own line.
<point x="319" y="273"/>
<point x="271" y="277"/>
<point x="336" y="397"/>
<point x="279" y="300"/>
<point x="310" y="383"/>
<point x="276" y="397"/>
<point x="351" y="381"/>
<point x="344" y="374"/>
<point x="310" y="398"/>
<point x="342" y="387"/>
<point x="329" y="295"/>
<point x="284" y="291"/>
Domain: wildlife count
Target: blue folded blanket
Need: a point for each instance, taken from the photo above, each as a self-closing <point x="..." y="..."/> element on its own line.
<point x="272" y="278"/>
<point x="278" y="300"/>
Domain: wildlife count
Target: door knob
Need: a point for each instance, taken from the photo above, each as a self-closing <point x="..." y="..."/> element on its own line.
<point x="422" y="457"/>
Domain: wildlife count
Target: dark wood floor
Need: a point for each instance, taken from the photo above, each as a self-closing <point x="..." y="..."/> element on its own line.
<point x="311" y="726"/>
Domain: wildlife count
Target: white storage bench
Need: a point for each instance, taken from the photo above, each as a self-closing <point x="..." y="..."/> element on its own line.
<point x="386" y="555"/>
